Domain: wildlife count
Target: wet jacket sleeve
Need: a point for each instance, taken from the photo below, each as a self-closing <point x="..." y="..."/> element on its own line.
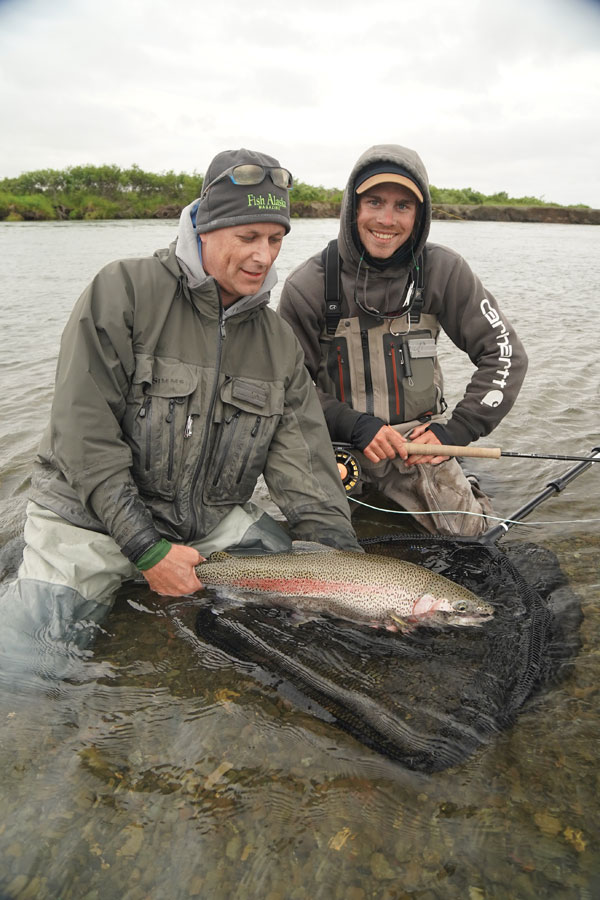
<point x="301" y="473"/>
<point x="302" y="305"/>
<point x="470" y="316"/>
<point x="95" y="367"/>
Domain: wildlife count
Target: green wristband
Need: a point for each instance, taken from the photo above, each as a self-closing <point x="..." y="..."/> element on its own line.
<point x="154" y="555"/>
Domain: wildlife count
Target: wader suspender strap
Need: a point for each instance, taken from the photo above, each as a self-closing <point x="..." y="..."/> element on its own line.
<point x="331" y="263"/>
<point x="418" y="300"/>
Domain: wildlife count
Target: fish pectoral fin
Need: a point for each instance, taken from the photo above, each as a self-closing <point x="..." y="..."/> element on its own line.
<point x="218" y="556"/>
<point x="311" y="547"/>
<point x="401" y="624"/>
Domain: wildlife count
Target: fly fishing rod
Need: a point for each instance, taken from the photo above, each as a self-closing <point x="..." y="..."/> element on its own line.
<point x="553" y="487"/>
<point x="416" y="449"/>
<point x="350" y="468"/>
<point x="350" y="472"/>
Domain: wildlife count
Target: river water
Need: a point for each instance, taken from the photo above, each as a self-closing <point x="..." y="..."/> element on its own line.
<point x="164" y="770"/>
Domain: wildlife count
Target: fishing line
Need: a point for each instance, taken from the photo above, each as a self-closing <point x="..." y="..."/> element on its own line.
<point x="462" y="512"/>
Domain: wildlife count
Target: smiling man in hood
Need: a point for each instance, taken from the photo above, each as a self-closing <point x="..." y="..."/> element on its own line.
<point x="368" y="312"/>
<point x="176" y="388"/>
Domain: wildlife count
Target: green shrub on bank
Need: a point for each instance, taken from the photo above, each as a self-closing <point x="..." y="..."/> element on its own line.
<point x="307" y="193"/>
<point x="110" y="182"/>
<point x="92" y="207"/>
<point x="26" y="208"/>
<point x="130" y="206"/>
<point x="469" y="197"/>
<point x="108" y="192"/>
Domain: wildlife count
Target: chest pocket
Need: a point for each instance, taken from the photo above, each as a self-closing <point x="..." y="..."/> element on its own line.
<point x="245" y="421"/>
<point x="409" y="367"/>
<point x="338" y="369"/>
<point x="154" y="423"/>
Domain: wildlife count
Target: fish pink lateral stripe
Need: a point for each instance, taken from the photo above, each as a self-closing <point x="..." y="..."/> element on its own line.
<point x="298" y="585"/>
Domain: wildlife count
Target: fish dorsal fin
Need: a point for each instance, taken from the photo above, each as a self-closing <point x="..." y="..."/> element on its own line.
<point x="219" y="556"/>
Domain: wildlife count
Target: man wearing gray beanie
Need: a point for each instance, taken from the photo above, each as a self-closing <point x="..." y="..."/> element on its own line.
<point x="176" y="388"/>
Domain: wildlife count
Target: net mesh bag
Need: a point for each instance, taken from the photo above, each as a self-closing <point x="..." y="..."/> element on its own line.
<point x="431" y="696"/>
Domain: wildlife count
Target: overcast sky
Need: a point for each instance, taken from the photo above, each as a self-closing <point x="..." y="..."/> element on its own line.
<point x="493" y="95"/>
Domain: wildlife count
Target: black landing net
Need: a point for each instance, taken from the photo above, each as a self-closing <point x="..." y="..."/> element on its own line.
<point x="431" y="697"/>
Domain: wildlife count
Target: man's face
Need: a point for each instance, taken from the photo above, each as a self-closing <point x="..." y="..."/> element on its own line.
<point x="385" y="218"/>
<point x="239" y="257"/>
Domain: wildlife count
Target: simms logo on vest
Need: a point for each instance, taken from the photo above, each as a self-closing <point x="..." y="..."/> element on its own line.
<point x="270" y="203"/>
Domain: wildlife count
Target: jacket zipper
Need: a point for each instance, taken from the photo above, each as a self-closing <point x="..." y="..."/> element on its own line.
<point x="170" y="419"/>
<point x="146" y="413"/>
<point x="249" y="449"/>
<point x="341" y="374"/>
<point x="395" y="375"/>
<point x="211" y="408"/>
<point x="226" y="440"/>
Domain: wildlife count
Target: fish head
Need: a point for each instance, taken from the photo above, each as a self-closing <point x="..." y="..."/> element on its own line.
<point x="464" y="608"/>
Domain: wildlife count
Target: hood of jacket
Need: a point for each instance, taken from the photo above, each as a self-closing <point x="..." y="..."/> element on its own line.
<point x="349" y="246"/>
<point x="188" y="253"/>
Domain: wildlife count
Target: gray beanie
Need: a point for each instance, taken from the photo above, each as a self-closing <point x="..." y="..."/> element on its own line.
<point x="227" y="204"/>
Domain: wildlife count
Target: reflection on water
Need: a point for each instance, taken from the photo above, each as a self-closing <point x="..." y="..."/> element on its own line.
<point x="162" y="767"/>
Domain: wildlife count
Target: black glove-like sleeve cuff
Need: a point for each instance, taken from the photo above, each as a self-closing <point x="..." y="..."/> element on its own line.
<point x="135" y="548"/>
<point x="365" y="429"/>
<point x="440" y="433"/>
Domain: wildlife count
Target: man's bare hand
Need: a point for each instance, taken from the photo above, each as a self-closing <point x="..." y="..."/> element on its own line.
<point x="422" y="434"/>
<point x="387" y="444"/>
<point x="174" y="575"/>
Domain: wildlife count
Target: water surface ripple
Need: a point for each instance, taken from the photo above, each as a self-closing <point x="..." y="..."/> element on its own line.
<point x="162" y="767"/>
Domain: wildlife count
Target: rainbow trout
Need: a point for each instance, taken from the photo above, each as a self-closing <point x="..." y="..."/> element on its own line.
<point x="361" y="587"/>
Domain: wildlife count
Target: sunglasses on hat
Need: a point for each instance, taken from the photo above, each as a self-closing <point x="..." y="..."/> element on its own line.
<point x="250" y="173"/>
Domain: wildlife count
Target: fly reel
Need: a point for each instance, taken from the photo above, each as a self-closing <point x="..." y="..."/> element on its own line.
<point x="348" y="466"/>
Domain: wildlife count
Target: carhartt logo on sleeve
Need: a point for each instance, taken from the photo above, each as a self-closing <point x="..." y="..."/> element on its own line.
<point x="493" y="398"/>
<point x="504" y="347"/>
<point x="270" y="203"/>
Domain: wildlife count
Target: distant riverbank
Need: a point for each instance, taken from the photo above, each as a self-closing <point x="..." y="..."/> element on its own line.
<point x="108" y="192"/>
<point x="316" y="209"/>
<point x="563" y="215"/>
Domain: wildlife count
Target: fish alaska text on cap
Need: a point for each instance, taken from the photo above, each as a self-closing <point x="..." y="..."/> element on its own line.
<point x="226" y="202"/>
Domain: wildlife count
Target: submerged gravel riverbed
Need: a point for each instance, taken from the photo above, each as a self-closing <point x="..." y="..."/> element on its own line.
<point x="161" y="767"/>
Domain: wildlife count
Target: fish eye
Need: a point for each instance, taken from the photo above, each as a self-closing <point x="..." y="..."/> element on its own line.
<point x="460" y="606"/>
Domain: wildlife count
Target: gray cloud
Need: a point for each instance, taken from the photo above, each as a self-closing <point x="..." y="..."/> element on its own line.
<point x="493" y="96"/>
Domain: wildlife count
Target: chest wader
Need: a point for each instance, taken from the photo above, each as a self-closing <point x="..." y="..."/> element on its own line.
<point x="386" y="368"/>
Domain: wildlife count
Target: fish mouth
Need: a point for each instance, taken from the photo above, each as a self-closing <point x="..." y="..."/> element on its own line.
<point x="442" y="617"/>
<point x="473" y="619"/>
<point x="469" y="616"/>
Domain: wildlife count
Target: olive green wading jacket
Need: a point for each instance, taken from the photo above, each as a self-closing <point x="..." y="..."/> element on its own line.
<point x="166" y="412"/>
<point x="388" y="368"/>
